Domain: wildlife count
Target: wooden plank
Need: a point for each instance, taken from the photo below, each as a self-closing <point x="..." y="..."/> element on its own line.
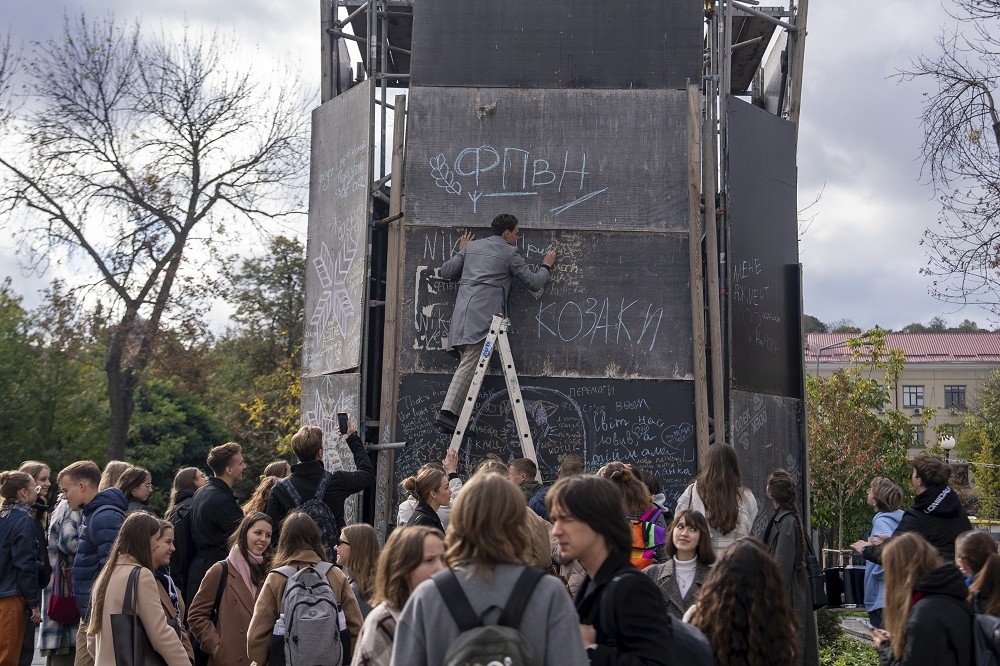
<point x="697" y="278"/>
<point x="384" y="509"/>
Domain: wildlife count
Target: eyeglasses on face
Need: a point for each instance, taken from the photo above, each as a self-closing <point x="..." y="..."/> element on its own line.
<point x="341" y="542"/>
<point x="148" y="485"/>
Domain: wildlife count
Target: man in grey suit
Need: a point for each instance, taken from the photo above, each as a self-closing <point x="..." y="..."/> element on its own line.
<point x="485" y="270"/>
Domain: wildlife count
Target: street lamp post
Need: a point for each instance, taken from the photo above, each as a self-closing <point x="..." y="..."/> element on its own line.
<point x="947" y="443"/>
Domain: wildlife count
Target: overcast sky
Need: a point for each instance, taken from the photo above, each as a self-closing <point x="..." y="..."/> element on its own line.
<point x="858" y="142"/>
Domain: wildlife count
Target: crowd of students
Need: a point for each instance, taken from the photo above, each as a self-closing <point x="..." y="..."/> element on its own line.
<point x="583" y="584"/>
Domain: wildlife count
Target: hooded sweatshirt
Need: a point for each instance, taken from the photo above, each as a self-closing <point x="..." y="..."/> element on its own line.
<point x="939" y="625"/>
<point x="937" y="515"/>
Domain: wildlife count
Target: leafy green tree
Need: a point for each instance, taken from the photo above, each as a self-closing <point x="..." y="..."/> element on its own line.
<point x="53" y="402"/>
<point x="811" y="324"/>
<point x="138" y="154"/>
<point x="979" y="442"/>
<point x="170" y="430"/>
<point x="844" y="326"/>
<point x="258" y="362"/>
<point x="17" y="367"/>
<point x="854" y="436"/>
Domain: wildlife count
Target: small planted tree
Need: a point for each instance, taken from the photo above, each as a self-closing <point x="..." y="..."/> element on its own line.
<point x="855" y="436"/>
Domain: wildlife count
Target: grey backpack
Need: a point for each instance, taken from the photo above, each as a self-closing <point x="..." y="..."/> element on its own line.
<point x="501" y="643"/>
<point x="313" y="617"/>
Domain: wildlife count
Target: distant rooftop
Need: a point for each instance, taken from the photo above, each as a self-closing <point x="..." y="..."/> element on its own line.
<point x="918" y="347"/>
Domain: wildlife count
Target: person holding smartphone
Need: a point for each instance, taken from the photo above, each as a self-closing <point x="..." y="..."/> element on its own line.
<point x="310" y="479"/>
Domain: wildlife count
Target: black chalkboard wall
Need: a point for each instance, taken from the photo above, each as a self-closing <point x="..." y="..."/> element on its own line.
<point x="646" y="423"/>
<point x="557" y="43"/>
<point x="764" y="289"/>
<point x="618" y="305"/>
<point x="570" y="159"/>
<point x="768" y="433"/>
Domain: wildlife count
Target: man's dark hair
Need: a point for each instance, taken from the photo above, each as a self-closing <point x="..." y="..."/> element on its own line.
<point x="220" y="457"/>
<point x="503" y="222"/>
<point x="931" y="469"/>
<point x="597" y="502"/>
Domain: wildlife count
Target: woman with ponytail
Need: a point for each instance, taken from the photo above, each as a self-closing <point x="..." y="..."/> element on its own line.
<point x="977" y="558"/>
<point x="20" y="596"/>
<point x="786" y="540"/>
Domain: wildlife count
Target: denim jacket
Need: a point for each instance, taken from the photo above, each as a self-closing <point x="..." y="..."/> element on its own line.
<point x="18" y="550"/>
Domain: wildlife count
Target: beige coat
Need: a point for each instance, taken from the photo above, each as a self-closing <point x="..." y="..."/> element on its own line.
<point x="268" y="606"/>
<point x="148" y="608"/>
<point x="540" y="539"/>
<point x="225" y="641"/>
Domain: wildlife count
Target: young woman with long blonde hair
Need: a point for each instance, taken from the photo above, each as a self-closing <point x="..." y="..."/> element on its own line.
<point x="927" y="617"/>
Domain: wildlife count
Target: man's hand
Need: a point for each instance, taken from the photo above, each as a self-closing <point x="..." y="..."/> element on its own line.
<point x="588" y="633"/>
<point x="550" y="258"/>
<point x="451" y="461"/>
<point x="350" y="431"/>
<point x="464" y="239"/>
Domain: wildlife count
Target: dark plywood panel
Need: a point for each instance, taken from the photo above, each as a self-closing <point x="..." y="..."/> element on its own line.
<point x="646" y="423"/>
<point x="768" y="433"/>
<point x="336" y="250"/>
<point x="569" y="159"/>
<point x="322" y="398"/>
<point x="557" y="43"/>
<point x="618" y="305"/>
<point x="764" y="284"/>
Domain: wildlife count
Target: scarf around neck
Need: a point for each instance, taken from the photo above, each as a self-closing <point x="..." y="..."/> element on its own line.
<point x="243" y="567"/>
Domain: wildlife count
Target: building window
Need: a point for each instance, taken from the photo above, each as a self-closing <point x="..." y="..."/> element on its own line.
<point x="918" y="435"/>
<point x="913" y="396"/>
<point x="954" y="397"/>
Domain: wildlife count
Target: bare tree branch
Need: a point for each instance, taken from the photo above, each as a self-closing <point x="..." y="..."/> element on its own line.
<point x="128" y="145"/>
<point x="961" y="151"/>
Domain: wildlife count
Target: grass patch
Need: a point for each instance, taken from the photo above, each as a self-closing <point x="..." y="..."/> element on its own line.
<point x="847" y="651"/>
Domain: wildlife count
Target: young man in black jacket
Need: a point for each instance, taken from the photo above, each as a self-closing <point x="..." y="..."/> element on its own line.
<point x="215" y="513"/>
<point x="307" y="445"/>
<point x="936" y="514"/>
<point x="623" y="618"/>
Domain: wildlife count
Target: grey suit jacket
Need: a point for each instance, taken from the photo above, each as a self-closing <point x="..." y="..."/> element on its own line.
<point x="666" y="581"/>
<point x="485" y="270"/>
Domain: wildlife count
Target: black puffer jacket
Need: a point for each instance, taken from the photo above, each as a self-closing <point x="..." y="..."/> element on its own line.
<point x="939" y="626"/>
<point x="937" y="515"/>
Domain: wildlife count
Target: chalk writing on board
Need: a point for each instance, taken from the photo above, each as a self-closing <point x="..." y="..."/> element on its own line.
<point x="592" y="321"/>
<point x="750" y="294"/>
<point x="600" y="420"/>
<point x="487" y="172"/>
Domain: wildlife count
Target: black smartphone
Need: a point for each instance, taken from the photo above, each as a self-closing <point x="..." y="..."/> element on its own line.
<point x="342" y="422"/>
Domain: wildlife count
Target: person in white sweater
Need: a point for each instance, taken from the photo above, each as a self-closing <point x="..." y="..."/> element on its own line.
<point x="719" y="494"/>
<point x="485" y="540"/>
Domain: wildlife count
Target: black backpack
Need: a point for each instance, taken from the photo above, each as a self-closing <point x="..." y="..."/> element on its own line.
<point x="180" y="559"/>
<point x="318" y="510"/>
<point x="501" y="643"/>
<point x="985" y="634"/>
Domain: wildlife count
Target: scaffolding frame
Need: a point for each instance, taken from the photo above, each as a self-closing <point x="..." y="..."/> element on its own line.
<point x="382" y="29"/>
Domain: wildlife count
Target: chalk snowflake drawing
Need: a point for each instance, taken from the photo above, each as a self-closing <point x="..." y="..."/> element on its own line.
<point x="335" y="301"/>
<point x="443" y="176"/>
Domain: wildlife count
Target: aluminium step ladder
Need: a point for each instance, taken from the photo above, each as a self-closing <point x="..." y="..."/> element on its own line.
<point x="497" y="335"/>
